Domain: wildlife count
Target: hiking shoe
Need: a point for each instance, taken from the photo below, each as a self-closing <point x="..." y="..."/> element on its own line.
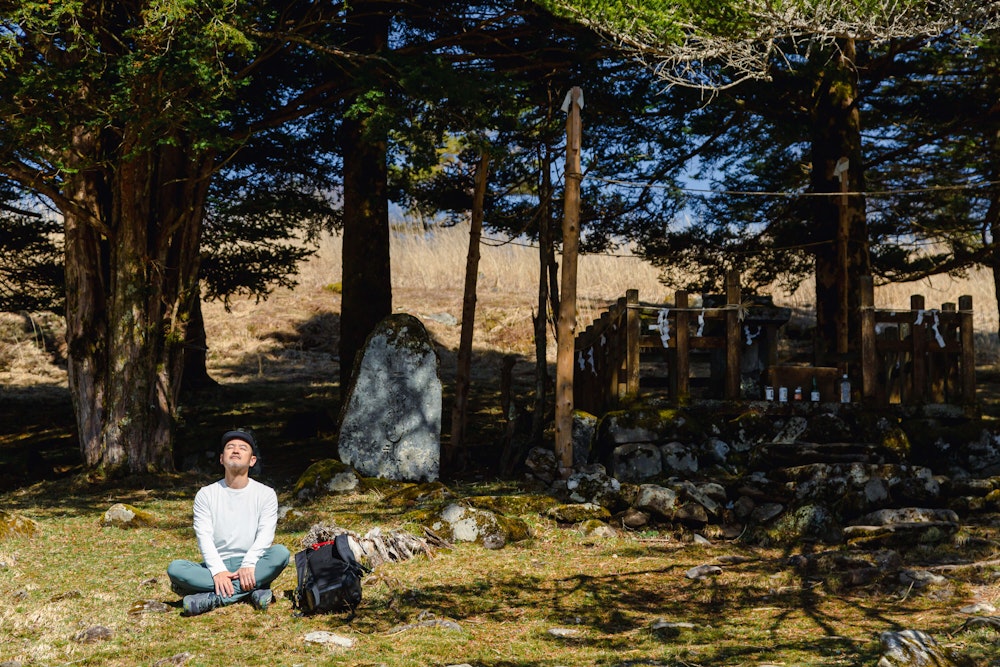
<point x="199" y="603"/>
<point x="260" y="598"/>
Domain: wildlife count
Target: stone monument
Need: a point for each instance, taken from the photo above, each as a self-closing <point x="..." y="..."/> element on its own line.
<point x="391" y="421"/>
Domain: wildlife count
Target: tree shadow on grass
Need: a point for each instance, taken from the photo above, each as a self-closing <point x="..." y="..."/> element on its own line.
<point x="617" y="613"/>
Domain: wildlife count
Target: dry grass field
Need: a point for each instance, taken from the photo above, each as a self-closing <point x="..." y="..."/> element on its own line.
<point x="560" y="598"/>
<point x="289" y="340"/>
<point x="428" y="277"/>
<point x="287" y="343"/>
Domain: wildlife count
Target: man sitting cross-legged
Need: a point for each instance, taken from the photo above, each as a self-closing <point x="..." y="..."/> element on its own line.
<point x="234" y="521"/>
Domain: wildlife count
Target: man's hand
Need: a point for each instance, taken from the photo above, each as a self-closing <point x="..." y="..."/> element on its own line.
<point x="224" y="583"/>
<point x="247" y="580"/>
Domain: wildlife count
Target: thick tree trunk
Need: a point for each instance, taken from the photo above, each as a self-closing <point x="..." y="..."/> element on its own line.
<point x="367" y="281"/>
<point x="840" y="229"/>
<point x="86" y="250"/>
<point x="129" y="282"/>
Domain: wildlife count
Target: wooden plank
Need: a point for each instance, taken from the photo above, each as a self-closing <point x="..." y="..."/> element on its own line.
<point x="632" y="332"/>
<point x="869" y="355"/>
<point x="681" y="367"/>
<point x="734" y="341"/>
<point x="918" y="352"/>
<point x="968" y="359"/>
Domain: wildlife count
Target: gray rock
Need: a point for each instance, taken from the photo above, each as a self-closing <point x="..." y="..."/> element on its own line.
<point x="902" y="534"/>
<point x="698" y="494"/>
<point x="912" y="648"/>
<point x="635" y="462"/>
<point x="391" y="425"/>
<point x="470" y="524"/>
<point x="743" y="507"/>
<point x="577" y="512"/>
<point x="876" y="491"/>
<point x="565" y="633"/>
<point x="633" y="518"/>
<point x="121" y="515"/>
<point x="793" y="428"/>
<point x="148" y="607"/>
<point x="541" y="464"/>
<point x="678" y="458"/>
<point x="593" y="485"/>
<point x="93" y="634"/>
<point x="620" y="428"/>
<point x="717" y="449"/>
<point x="443" y="318"/>
<point x="657" y="499"/>
<point x="920" y="579"/>
<point x="691" y="512"/>
<point x="703" y="572"/>
<point x="810" y="522"/>
<point x="177" y="659"/>
<point x="583" y="432"/>
<point x="766" y="511"/>
<point x="907" y="515"/>
<point x="595" y="528"/>
<point x="328" y="639"/>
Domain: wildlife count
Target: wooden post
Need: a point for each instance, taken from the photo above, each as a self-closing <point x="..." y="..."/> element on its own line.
<point x="918" y="352"/>
<point x="968" y="350"/>
<point x="566" y="327"/>
<point x="734" y="340"/>
<point x="937" y="361"/>
<point x="614" y="355"/>
<point x="680" y="387"/>
<point x="632" y="333"/>
<point x="843" y="234"/>
<point x="869" y="358"/>
<point x="462" y="374"/>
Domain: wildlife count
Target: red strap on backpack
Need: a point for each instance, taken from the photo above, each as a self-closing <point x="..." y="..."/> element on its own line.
<point x="316" y="545"/>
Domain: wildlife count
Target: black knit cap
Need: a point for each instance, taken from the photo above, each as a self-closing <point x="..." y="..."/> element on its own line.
<point x="247" y="436"/>
<point x="239" y="434"/>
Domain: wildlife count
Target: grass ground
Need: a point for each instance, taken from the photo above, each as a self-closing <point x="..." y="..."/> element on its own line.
<point x="618" y="601"/>
<point x="622" y="600"/>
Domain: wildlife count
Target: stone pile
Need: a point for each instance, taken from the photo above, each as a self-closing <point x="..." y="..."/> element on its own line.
<point x="819" y="473"/>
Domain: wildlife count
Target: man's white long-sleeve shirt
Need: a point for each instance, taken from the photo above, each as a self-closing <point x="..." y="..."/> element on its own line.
<point x="234" y="522"/>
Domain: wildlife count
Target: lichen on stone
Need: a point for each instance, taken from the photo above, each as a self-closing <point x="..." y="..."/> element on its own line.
<point x="14" y="525"/>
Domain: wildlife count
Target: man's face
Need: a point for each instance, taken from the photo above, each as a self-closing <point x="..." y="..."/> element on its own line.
<point x="237" y="455"/>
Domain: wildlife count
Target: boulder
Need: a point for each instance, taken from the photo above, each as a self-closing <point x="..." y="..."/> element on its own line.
<point x="391" y="423"/>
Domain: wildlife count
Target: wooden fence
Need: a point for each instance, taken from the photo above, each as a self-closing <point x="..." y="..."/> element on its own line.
<point x="907" y="356"/>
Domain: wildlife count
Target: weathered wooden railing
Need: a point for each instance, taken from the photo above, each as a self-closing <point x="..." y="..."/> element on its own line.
<point x="911" y="356"/>
<point x="917" y="355"/>
<point x="607" y="357"/>
<point x="608" y="351"/>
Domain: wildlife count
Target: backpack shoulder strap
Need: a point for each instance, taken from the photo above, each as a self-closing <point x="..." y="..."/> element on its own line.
<point x="343" y="546"/>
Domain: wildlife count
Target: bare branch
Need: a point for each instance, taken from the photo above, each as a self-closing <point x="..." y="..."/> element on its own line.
<point x="787" y="31"/>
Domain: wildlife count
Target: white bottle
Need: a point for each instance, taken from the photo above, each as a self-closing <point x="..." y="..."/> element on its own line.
<point x="845" y="389"/>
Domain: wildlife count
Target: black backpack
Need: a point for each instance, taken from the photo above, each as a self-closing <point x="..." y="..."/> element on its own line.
<point x="329" y="577"/>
